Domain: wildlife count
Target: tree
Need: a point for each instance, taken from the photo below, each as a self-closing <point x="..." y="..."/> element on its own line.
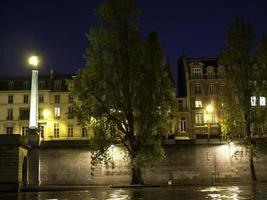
<point x="123" y="93"/>
<point x="237" y="113"/>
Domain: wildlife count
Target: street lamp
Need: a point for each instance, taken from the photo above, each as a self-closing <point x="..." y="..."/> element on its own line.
<point x="33" y="124"/>
<point x="208" y="116"/>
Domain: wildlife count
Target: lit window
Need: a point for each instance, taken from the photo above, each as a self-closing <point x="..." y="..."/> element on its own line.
<point x="199" y="118"/>
<point x="262" y="101"/>
<point x="253" y="101"/>
<point x="57" y="112"/>
<point x="70" y="130"/>
<point x="198" y="104"/>
<point x="56" y="130"/>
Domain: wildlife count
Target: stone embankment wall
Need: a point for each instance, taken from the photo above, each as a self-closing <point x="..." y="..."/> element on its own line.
<point x="183" y="164"/>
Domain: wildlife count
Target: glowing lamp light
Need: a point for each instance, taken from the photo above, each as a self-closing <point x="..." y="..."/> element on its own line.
<point x="46" y="113"/>
<point x="209" y="108"/>
<point x="33" y="61"/>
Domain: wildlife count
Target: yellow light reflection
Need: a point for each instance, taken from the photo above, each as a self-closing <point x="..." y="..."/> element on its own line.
<point x="209" y="108"/>
<point x="46" y="113"/>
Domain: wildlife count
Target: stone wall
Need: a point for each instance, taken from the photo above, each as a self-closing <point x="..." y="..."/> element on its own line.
<point x="183" y="164"/>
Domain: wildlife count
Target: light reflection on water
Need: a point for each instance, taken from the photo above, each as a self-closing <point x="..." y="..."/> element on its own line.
<point x="257" y="192"/>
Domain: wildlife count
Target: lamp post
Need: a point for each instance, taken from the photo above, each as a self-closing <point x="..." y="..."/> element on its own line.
<point x="208" y="112"/>
<point x="33" y="124"/>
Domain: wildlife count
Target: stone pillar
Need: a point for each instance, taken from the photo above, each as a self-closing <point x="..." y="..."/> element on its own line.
<point x="34" y="101"/>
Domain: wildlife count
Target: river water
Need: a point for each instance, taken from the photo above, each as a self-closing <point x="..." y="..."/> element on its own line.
<point x="234" y="192"/>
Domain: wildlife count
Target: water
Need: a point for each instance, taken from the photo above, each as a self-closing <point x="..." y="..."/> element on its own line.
<point x="257" y="192"/>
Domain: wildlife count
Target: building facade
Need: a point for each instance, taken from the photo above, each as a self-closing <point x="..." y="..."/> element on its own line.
<point x="56" y="121"/>
<point x="199" y="83"/>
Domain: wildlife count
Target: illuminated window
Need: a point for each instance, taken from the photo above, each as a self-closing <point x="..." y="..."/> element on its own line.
<point x="9" y="130"/>
<point x="56" y="130"/>
<point x="196" y="73"/>
<point x="84" y="132"/>
<point x="182" y="124"/>
<point x="57" y="112"/>
<point x="70" y="99"/>
<point x="198" y="104"/>
<point x="57" y="98"/>
<point x="26" y="85"/>
<point x="199" y="118"/>
<point x="24" y="130"/>
<point x="10" y="98"/>
<point x="11" y="85"/>
<point x="197" y="88"/>
<point x="70" y="130"/>
<point x="253" y="100"/>
<point x="25" y="98"/>
<point x="262" y="101"/>
<point x="41" y="98"/>
<point x="10" y="114"/>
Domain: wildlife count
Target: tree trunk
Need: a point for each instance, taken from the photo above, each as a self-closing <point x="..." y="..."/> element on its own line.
<point x="251" y="161"/>
<point x="137" y="176"/>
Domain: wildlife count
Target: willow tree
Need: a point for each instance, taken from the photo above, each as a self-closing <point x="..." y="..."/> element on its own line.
<point x="239" y="78"/>
<point x="123" y="93"/>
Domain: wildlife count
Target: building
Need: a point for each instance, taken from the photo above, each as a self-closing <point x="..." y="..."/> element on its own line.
<point x="200" y="81"/>
<point x="56" y="121"/>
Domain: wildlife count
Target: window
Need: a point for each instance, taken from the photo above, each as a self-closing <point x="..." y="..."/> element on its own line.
<point x="26" y="85"/>
<point x="25" y="98"/>
<point x="198" y="104"/>
<point x="70" y="130"/>
<point x="11" y="85"/>
<point x="57" y="112"/>
<point x="180" y="105"/>
<point x="24" y="113"/>
<point x="196" y="73"/>
<point x="220" y="74"/>
<point x="41" y="98"/>
<point x="10" y="114"/>
<point x="197" y="88"/>
<point x="9" y="130"/>
<point x="70" y="113"/>
<point x="210" y="74"/>
<point x="262" y="101"/>
<point x="213" y="118"/>
<point x="42" y="85"/>
<point x="199" y="118"/>
<point x="57" y="98"/>
<point x="57" y="85"/>
<point x="182" y="124"/>
<point x="253" y="100"/>
<point x="70" y="99"/>
<point x="212" y="88"/>
<point x="56" y="130"/>
<point x="10" y="98"/>
<point x="24" y="130"/>
<point x="84" y="132"/>
<point x="41" y="131"/>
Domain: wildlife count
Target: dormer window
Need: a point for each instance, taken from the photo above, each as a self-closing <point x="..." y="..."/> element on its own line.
<point x="26" y="85"/>
<point x="196" y="73"/>
<point x="41" y="85"/>
<point x="11" y="85"/>
<point x="210" y="73"/>
<point x="57" y="85"/>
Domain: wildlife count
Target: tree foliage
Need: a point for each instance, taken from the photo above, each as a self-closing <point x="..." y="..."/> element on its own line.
<point x="123" y="94"/>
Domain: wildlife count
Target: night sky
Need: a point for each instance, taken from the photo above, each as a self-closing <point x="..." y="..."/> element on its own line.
<point x="55" y="29"/>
